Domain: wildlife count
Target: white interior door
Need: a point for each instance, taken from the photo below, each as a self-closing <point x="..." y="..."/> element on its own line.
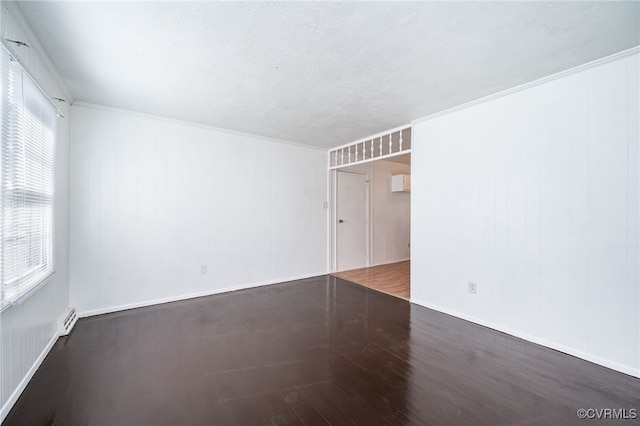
<point x="351" y="218"/>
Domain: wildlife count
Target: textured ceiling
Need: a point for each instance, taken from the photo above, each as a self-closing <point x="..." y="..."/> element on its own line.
<point x="317" y="73"/>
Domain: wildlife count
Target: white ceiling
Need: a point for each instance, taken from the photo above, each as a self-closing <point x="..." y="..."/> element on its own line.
<point x="320" y="73"/>
<point x="400" y="159"/>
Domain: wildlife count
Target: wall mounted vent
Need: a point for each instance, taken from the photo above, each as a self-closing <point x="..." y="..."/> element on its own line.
<point x="67" y="321"/>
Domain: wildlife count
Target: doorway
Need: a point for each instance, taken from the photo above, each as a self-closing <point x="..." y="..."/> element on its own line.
<point x="383" y="225"/>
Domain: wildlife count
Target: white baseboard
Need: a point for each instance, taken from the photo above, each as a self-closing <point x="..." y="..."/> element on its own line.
<point x="635" y="372"/>
<point x="25" y="380"/>
<point x="390" y="262"/>
<point x="379" y="264"/>
<point x="110" y="309"/>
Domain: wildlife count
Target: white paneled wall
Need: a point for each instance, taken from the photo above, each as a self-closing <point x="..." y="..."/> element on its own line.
<point x="154" y="200"/>
<point x="535" y="196"/>
<point x="28" y="331"/>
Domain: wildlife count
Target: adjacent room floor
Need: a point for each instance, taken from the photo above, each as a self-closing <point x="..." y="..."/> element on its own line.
<point x="393" y="278"/>
<point x="315" y="351"/>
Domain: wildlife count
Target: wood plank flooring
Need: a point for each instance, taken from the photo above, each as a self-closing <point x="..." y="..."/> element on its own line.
<point x="317" y="351"/>
<point x="393" y="279"/>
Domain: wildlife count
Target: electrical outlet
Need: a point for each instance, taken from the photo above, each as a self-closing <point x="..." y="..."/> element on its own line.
<point x="471" y="287"/>
<point x="203" y="269"/>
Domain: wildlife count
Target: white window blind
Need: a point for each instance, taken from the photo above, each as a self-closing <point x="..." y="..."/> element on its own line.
<point x="27" y="164"/>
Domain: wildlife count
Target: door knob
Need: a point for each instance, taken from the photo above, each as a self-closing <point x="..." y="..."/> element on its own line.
<point x="340" y="221"/>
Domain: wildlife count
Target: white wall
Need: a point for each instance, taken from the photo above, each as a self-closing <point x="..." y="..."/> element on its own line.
<point x="535" y="196"/>
<point x="28" y="331"/>
<point x="391" y="214"/>
<point x="154" y="199"/>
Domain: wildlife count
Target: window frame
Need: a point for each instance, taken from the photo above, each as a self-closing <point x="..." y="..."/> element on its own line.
<point x="27" y="183"/>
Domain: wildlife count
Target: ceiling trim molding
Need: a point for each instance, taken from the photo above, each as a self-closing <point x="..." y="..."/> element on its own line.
<point x="16" y="13"/>
<point x="194" y="124"/>
<point x="531" y="84"/>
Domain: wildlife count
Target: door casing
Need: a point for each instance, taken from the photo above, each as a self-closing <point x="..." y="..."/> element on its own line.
<point x="333" y="219"/>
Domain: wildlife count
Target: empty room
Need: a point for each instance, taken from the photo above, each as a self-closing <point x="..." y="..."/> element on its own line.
<point x="319" y="213"/>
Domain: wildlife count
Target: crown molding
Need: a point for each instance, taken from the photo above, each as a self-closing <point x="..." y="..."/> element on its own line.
<point x="16" y="13"/>
<point x="525" y="86"/>
<point x="195" y="124"/>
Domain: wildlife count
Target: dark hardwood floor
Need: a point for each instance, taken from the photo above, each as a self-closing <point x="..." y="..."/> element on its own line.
<point x="316" y="351"/>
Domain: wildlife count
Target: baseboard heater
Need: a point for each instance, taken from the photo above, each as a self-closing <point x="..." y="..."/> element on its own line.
<point x="67" y="321"/>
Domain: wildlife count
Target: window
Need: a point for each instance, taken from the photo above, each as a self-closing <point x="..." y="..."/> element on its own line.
<point x="29" y="122"/>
